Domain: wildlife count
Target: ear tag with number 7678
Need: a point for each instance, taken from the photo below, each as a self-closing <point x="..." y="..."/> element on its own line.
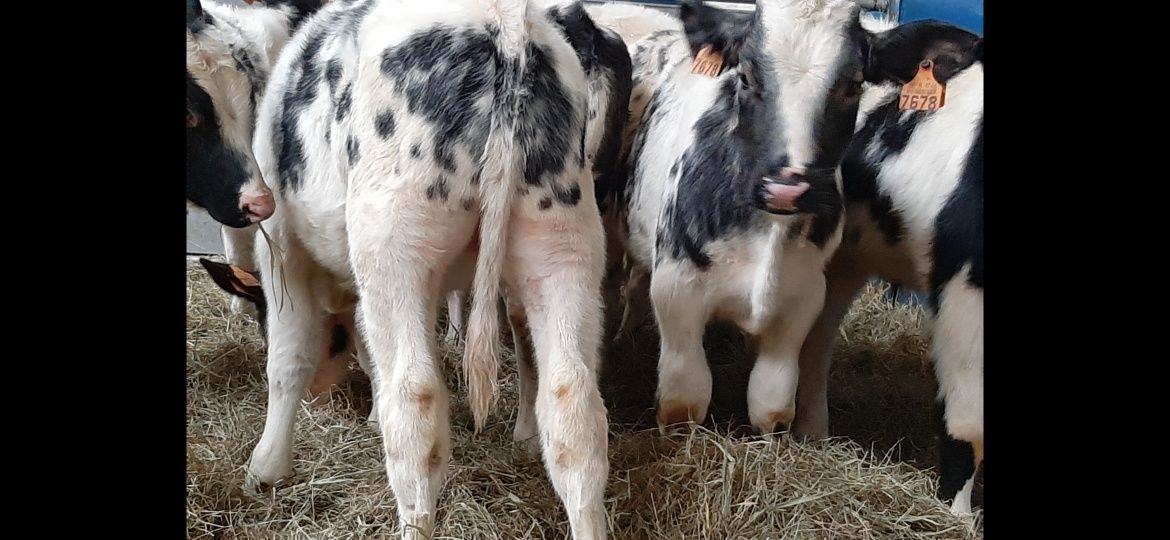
<point x="923" y="93"/>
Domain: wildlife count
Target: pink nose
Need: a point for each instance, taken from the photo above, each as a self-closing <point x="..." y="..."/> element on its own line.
<point x="258" y="207"/>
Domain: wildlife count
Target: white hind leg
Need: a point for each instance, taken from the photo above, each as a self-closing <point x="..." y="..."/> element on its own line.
<point x="555" y="266"/>
<point x="400" y="247"/>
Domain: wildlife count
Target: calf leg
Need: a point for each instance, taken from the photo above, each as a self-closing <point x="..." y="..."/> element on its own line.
<point x="454" y="317"/>
<point x="239" y="249"/>
<point x="635" y="303"/>
<point x="957" y="350"/>
<point x="771" y="393"/>
<point x="400" y="247"/>
<point x="334" y="371"/>
<point x="526" y="426"/>
<point x="843" y="281"/>
<point x="296" y="344"/>
<point x="555" y="267"/>
<point x="684" y="378"/>
<point x="362" y="355"/>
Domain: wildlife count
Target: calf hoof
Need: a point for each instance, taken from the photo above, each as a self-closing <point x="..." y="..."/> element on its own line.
<point x="451" y="340"/>
<point x="523" y="432"/>
<point x="267" y="470"/>
<point x="256" y="485"/>
<point x="961" y="506"/>
<point x="811" y="429"/>
<point x="770" y="424"/>
<point x="674" y="416"/>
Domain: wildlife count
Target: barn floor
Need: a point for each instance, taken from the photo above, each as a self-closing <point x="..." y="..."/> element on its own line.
<point x="875" y="481"/>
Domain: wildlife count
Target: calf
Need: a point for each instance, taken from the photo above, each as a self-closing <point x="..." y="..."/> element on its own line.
<point x="230" y="52"/>
<point x="913" y="185"/>
<point x="415" y="147"/>
<point x="767" y="132"/>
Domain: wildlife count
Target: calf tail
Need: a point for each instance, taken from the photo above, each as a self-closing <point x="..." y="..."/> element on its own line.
<point x="502" y="167"/>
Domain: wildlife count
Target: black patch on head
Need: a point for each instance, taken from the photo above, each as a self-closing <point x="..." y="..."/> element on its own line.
<point x="724" y="30"/>
<point x="722" y="172"/>
<point x="956" y="459"/>
<point x="351" y="149"/>
<point x="859" y="175"/>
<point x="894" y="55"/>
<point x="344" y="102"/>
<point x="545" y="203"/>
<point x="384" y="123"/>
<point x="958" y="228"/>
<point x="415" y="151"/>
<point x="333" y="74"/>
<point x="442" y="72"/>
<point x="438" y="189"/>
<point x="215" y="171"/>
<point x="340" y="341"/>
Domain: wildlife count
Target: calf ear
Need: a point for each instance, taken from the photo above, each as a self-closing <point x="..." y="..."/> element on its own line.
<point x="894" y="55"/>
<point x="235" y="280"/>
<point x="724" y="30"/>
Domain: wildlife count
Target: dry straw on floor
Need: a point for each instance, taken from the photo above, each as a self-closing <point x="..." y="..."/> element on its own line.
<point x="709" y="484"/>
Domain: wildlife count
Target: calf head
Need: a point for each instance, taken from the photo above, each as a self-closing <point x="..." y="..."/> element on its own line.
<point x="222" y="80"/>
<point x="800" y="65"/>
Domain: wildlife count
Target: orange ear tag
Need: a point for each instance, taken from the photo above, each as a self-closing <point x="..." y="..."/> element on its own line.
<point x="245" y="277"/>
<point x="923" y="93"/>
<point x="707" y="62"/>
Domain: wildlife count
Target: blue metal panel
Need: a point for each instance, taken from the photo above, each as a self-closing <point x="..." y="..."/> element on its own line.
<point x="966" y="14"/>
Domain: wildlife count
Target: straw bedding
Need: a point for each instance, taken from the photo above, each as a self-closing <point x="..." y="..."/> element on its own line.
<point x="875" y="481"/>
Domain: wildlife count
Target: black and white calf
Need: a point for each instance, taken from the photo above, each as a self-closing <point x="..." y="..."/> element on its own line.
<point x="230" y="52"/>
<point x="782" y="109"/>
<point x="913" y="184"/>
<point x="416" y="147"/>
